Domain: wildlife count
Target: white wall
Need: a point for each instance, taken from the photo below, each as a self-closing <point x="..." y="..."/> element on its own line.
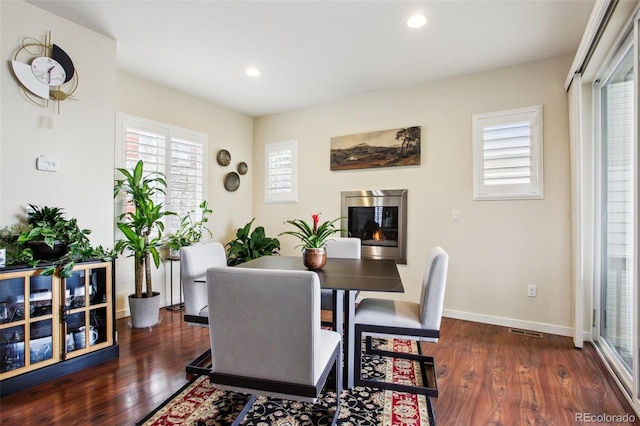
<point x="80" y="137"/>
<point x="225" y="130"/>
<point x="498" y="247"/>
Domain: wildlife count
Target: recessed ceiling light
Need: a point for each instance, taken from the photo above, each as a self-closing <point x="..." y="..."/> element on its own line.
<point x="416" y="21"/>
<point x="253" y="71"/>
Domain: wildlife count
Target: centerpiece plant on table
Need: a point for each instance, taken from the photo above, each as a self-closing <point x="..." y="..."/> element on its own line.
<point x="313" y="239"/>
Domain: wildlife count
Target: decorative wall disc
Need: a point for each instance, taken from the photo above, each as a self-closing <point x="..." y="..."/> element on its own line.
<point x="231" y="181"/>
<point x="223" y="157"/>
<point x="242" y="168"/>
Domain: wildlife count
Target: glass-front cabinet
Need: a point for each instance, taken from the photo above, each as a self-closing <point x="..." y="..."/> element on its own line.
<point x="45" y="320"/>
<point x="86" y="322"/>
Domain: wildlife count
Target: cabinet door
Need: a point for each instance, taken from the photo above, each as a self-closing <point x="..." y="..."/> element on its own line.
<point x="28" y="322"/>
<point x="88" y="325"/>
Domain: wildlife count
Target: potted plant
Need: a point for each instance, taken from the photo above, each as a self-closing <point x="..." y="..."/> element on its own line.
<point x="189" y="232"/>
<point x="49" y="236"/>
<point x="247" y="246"/>
<point x="142" y="226"/>
<point x="313" y="239"/>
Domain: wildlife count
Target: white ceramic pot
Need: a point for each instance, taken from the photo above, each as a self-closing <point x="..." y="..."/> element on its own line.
<point x="145" y="312"/>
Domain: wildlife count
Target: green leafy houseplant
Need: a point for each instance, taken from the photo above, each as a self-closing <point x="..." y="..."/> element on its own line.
<point x="50" y="236"/>
<point x="312" y="236"/>
<point x="190" y="232"/>
<point x="247" y="246"/>
<point x="142" y="224"/>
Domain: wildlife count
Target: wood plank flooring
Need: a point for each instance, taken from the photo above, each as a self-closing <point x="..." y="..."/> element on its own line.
<point x="486" y="377"/>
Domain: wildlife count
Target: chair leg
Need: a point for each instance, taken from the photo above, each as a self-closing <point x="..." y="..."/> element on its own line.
<point x="201" y="365"/>
<point x="427" y="367"/>
<point x="245" y="410"/>
<point x="337" y="381"/>
<point x="430" y="413"/>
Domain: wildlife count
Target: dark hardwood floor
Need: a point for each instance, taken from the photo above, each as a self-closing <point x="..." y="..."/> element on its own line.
<point x="486" y="376"/>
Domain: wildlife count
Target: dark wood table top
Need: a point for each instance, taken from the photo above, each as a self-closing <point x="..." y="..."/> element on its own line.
<point x="341" y="274"/>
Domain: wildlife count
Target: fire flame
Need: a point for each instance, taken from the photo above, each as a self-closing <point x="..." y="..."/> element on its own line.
<point x="377" y="235"/>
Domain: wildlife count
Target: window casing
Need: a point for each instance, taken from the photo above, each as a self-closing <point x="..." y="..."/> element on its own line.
<point x="281" y="172"/>
<point x="177" y="153"/>
<point x="507" y="154"/>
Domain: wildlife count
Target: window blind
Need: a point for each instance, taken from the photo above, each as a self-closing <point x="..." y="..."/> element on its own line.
<point x="507" y="154"/>
<point x="186" y="176"/>
<point x="281" y="172"/>
<point x="176" y="153"/>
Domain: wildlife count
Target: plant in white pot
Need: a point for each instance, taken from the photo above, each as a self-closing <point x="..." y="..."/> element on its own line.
<point x="142" y="226"/>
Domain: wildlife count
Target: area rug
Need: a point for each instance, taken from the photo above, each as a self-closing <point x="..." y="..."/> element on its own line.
<point x="200" y="403"/>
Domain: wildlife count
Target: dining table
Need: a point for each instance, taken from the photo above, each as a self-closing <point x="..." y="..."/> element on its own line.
<point x="345" y="278"/>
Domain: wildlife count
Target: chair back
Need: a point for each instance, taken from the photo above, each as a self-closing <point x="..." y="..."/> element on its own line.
<point x="265" y="324"/>
<point x="344" y="248"/>
<point x="433" y="286"/>
<point x="194" y="262"/>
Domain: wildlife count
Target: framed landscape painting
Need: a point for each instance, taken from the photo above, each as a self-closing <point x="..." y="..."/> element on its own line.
<point x="385" y="148"/>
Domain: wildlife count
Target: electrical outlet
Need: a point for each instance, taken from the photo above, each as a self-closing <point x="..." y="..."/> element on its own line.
<point x="531" y="290"/>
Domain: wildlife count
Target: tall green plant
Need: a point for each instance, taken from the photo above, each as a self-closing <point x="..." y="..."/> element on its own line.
<point x="247" y="246"/>
<point x="142" y="226"/>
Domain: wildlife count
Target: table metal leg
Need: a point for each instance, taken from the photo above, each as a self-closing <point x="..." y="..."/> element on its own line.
<point x="349" y="336"/>
<point x="338" y="324"/>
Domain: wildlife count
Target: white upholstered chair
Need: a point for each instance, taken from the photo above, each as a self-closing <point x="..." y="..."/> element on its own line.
<point x="416" y="321"/>
<point x="194" y="262"/>
<point x="266" y="337"/>
<point x="342" y="248"/>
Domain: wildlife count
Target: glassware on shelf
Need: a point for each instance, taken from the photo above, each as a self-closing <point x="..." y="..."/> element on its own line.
<point x="14" y="352"/>
<point x="4" y="312"/>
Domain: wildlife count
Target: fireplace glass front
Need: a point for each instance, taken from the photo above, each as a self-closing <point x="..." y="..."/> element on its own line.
<point x="378" y="218"/>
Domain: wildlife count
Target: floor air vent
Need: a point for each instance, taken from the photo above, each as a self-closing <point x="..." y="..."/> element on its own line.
<point x="525" y="333"/>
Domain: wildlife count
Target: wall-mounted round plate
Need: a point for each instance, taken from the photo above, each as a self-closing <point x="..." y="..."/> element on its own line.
<point x="223" y="157"/>
<point x="242" y="168"/>
<point x="231" y="181"/>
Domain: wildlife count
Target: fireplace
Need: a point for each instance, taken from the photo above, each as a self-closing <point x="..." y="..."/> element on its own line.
<point x="379" y="219"/>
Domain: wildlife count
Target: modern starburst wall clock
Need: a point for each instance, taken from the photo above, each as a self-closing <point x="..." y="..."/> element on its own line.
<point x="44" y="71"/>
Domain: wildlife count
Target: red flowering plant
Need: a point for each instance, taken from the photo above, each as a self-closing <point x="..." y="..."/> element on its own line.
<point x="313" y="236"/>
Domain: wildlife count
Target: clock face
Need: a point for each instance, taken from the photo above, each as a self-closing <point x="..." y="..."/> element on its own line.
<point x="48" y="71"/>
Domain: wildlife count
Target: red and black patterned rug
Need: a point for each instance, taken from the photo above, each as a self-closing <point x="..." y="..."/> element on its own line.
<point x="200" y="403"/>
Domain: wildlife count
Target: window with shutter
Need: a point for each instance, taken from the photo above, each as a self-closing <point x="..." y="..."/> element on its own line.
<point x="177" y="153"/>
<point x="281" y="170"/>
<point x="507" y="154"/>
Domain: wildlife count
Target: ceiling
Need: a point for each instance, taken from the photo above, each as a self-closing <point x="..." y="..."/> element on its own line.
<point x="310" y="52"/>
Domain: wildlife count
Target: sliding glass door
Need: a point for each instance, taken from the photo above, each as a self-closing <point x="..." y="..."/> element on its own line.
<point x="617" y="109"/>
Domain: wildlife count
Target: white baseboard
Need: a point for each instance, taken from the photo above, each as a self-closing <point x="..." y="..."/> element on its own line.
<point x="510" y="322"/>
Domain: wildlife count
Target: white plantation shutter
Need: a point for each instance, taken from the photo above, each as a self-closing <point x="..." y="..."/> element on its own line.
<point x="177" y="153"/>
<point x="281" y="180"/>
<point x="146" y="143"/>
<point x="508" y="154"/>
<point x="186" y="177"/>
